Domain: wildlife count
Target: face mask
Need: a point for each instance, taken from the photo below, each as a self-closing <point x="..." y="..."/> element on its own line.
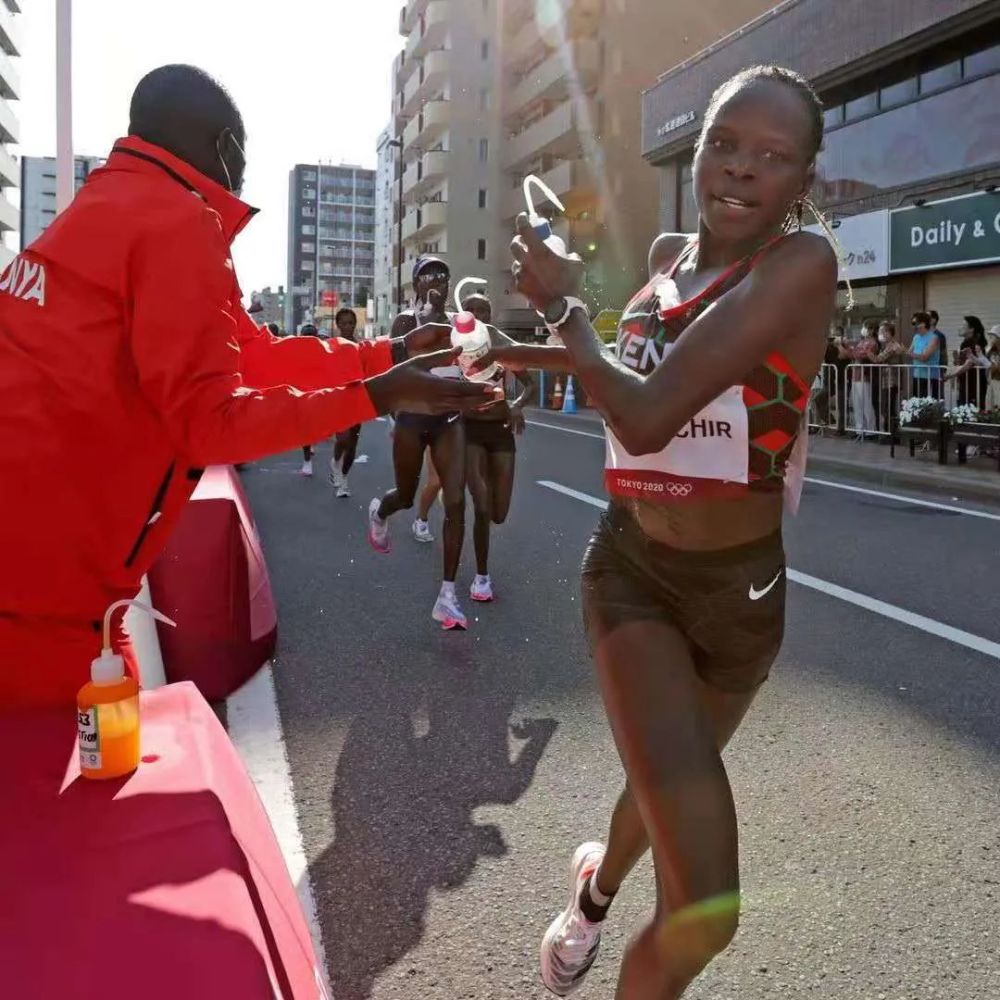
<point x="222" y="159"/>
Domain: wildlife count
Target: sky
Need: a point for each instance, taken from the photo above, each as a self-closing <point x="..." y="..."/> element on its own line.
<point x="311" y="77"/>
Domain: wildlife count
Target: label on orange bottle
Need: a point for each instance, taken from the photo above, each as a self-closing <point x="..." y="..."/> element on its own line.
<point x="89" y="738"/>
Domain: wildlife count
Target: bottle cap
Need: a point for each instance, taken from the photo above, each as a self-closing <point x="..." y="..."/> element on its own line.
<point x="108" y="668"/>
<point x="541" y="226"/>
<point x="465" y="322"/>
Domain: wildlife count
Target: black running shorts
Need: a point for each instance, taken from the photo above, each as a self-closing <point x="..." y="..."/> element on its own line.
<point x="429" y="427"/>
<point x="491" y="435"/>
<point x="729" y="604"/>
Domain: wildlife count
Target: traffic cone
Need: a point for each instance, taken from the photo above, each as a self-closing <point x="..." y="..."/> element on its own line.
<point x="557" y="396"/>
<point x="569" y="403"/>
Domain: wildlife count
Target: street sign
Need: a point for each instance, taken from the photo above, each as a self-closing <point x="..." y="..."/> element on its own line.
<point x="950" y="233"/>
<point x="329" y="299"/>
<point x="606" y="324"/>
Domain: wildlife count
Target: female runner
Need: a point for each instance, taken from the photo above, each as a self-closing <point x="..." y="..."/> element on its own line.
<point x="684" y="580"/>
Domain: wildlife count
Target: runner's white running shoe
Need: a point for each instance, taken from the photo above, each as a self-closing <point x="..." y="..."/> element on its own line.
<point x="422" y="531"/>
<point x="378" y="530"/>
<point x="343" y="490"/>
<point x="482" y="590"/>
<point x="307" y="468"/>
<point x="338" y="480"/>
<point x="570" y="945"/>
<point x="448" y="613"/>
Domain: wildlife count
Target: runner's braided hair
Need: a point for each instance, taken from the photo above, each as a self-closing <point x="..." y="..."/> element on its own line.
<point x="814" y="108"/>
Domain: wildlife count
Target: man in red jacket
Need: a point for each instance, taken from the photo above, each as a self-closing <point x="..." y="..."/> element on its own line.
<point x="127" y="364"/>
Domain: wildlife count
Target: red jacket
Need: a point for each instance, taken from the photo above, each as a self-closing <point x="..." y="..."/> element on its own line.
<point x="127" y="364"/>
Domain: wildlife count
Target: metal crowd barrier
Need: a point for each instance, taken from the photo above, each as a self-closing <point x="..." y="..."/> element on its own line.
<point x="864" y="400"/>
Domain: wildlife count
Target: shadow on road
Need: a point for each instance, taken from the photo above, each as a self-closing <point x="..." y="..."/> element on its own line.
<point x="420" y="757"/>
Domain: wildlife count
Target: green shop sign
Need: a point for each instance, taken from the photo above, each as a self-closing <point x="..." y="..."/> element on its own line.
<point x="949" y="233"/>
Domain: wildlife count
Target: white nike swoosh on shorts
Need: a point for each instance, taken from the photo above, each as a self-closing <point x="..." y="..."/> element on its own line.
<point x="756" y="595"/>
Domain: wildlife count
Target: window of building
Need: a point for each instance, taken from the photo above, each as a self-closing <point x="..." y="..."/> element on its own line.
<point x="867" y="104"/>
<point x="308" y="247"/>
<point x="308" y="265"/>
<point x="309" y="175"/>
<point x="481" y="250"/>
<point x="898" y="93"/>
<point x="485" y="49"/>
<point x="308" y="230"/>
<point x="484" y="150"/>
<point x="482" y="197"/>
<point x="984" y="61"/>
<point x="943" y="76"/>
<point x="833" y="116"/>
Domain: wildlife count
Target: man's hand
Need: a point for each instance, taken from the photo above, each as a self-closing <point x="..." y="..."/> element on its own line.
<point x="516" y="421"/>
<point x="427" y="338"/>
<point x="540" y="274"/>
<point x="433" y="309"/>
<point x="411" y="387"/>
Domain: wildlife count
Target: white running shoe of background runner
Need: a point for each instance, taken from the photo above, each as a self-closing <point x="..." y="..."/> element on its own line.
<point x="378" y="530"/>
<point x="422" y="531"/>
<point x="449" y="614"/>
<point x="481" y="589"/>
<point x="338" y="480"/>
<point x="307" y="468"/>
<point x="570" y="945"/>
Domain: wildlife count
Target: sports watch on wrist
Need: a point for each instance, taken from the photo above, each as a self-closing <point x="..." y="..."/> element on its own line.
<point x="558" y="311"/>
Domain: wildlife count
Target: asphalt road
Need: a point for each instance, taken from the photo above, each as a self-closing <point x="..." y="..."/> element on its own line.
<point x="442" y="781"/>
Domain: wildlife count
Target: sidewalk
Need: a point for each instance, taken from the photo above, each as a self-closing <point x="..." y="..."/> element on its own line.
<point x="871" y="463"/>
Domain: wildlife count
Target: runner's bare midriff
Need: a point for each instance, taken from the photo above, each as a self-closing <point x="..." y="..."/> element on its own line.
<point x="709" y="524"/>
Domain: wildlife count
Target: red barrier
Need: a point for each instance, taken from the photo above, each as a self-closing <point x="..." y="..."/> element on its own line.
<point x="212" y="580"/>
<point x="165" y="884"/>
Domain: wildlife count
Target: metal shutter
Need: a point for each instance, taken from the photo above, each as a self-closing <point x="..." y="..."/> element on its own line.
<point x="955" y="294"/>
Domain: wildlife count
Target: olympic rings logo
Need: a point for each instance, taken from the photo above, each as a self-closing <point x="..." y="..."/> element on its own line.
<point x="677" y="490"/>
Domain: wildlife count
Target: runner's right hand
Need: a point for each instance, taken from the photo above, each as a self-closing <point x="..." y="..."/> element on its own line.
<point x="412" y="388"/>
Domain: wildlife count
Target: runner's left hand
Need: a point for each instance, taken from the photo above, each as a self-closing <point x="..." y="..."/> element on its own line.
<point x="427" y="339"/>
<point x="540" y="274"/>
<point x="516" y="421"/>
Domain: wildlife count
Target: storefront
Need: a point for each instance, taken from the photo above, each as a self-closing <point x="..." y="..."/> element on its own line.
<point x="955" y="245"/>
<point x="863" y="249"/>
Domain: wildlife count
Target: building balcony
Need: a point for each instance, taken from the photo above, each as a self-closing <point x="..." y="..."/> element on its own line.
<point x="559" y="133"/>
<point x="427" y="127"/>
<point x="10" y="35"/>
<point x="10" y="217"/>
<point x="571" y="69"/>
<point x="10" y="170"/>
<point x="571" y="181"/>
<point x="403" y="67"/>
<point x="431" y="78"/>
<point x="422" y="222"/>
<point x="422" y="174"/>
<point x="10" y="78"/>
<point x="431" y="32"/>
<point x="409" y="16"/>
<point x="532" y="36"/>
<point x="9" y="127"/>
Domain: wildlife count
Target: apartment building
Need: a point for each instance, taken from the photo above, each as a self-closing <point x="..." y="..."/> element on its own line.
<point x="573" y="75"/>
<point x="10" y="90"/>
<point x="910" y="165"/>
<point x="268" y="305"/>
<point x="331" y="241"/>
<point x="38" y="191"/>
<point x="386" y="187"/>
<point x="446" y="100"/>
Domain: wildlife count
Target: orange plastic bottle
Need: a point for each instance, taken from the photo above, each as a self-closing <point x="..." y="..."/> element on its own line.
<point x="107" y="715"/>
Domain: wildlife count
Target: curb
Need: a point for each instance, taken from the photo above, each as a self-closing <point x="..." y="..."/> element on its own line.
<point x="901" y="478"/>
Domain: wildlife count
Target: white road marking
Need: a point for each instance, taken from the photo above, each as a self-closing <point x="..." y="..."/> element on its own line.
<point x="902" y="499"/>
<point x="255" y="728"/>
<point x="566" y="430"/>
<point x="956" y="635"/>
<point x="822" y="482"/>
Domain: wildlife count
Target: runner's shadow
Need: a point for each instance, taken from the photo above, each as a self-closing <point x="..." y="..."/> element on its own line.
<point x="417" y="762"/>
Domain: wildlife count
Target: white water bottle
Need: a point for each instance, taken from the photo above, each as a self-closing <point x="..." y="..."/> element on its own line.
<point x="473" y="338"/>
<point x="543" y="229"/>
